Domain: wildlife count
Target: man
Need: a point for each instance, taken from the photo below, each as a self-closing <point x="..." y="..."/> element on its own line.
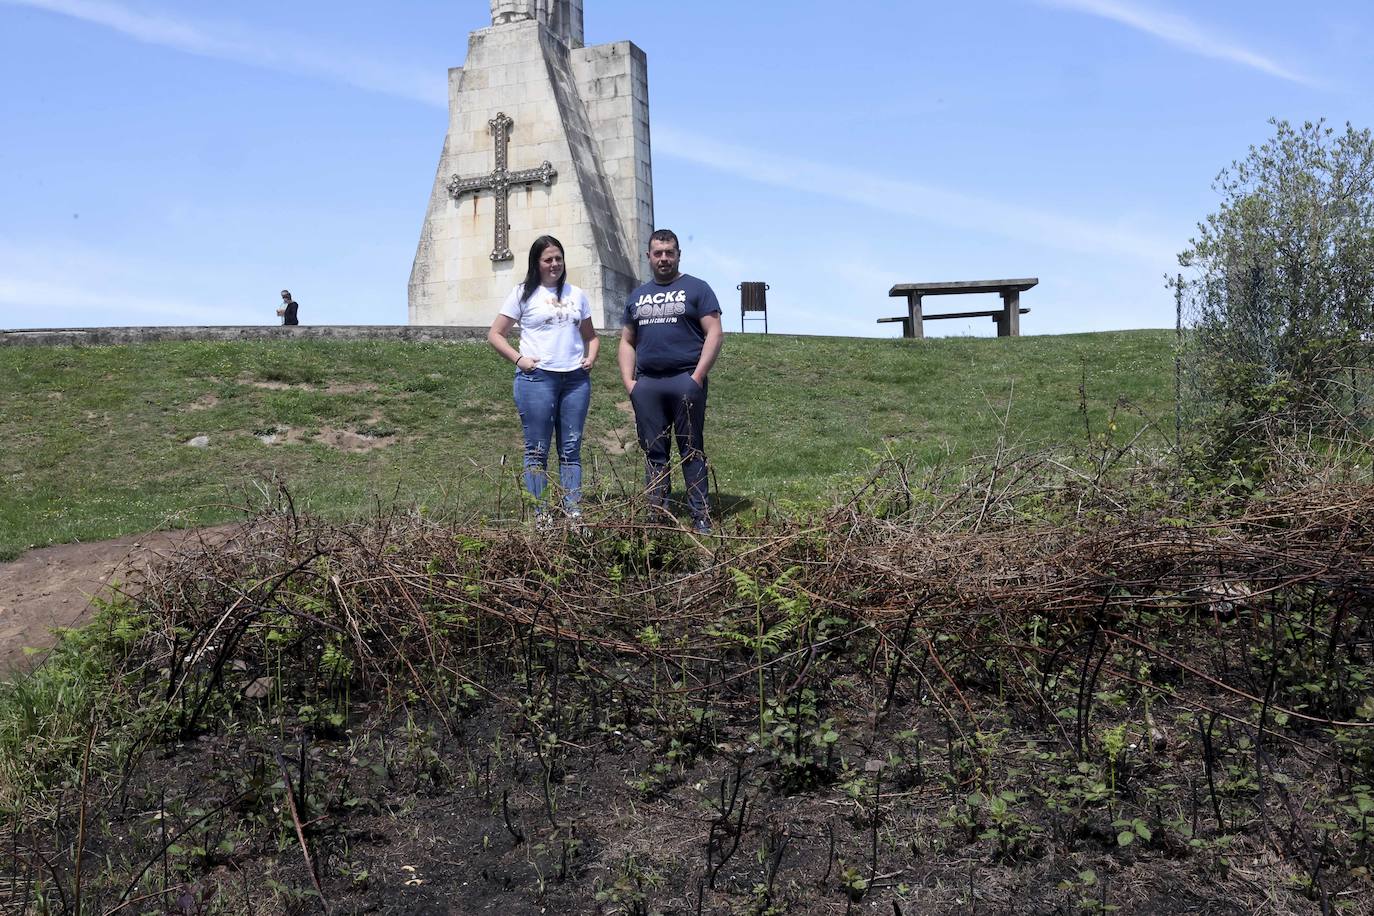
<point x="289" y="308"/>
<point x="668" y="344"/>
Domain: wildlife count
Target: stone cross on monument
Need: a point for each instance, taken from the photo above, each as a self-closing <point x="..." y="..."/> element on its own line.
<point x="500" y="182"/>
<point x="530" y="87"/>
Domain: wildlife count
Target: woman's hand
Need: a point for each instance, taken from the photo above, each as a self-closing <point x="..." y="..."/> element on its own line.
<point x="533" y="363"/>
<point x="588" y="361"/>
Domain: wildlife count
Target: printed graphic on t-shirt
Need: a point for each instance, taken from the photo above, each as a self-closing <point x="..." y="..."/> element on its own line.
<point x="668" y="322"/>
<point x="660" y="308"/>
<point x="559" y="311"/>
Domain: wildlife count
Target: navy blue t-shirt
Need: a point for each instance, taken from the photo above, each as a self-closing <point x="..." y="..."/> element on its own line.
<point x="667" y="322"/>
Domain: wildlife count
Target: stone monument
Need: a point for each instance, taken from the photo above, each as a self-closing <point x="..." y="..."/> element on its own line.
<point x="545" y="136"/>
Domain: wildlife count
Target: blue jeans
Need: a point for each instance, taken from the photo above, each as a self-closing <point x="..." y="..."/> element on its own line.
<point x="550" y="401"/>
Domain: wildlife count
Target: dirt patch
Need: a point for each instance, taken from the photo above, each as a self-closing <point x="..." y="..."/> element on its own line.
<point x="618" y="439"/>
<point x="281" y="435"/>
<point x="353" y="388"/>
<point x="204" y="402"/>
<point x="52" y="586"/>
<point x="615" y="441"/>
<point x="346" y="440"/>
<point x="331" y="388"/>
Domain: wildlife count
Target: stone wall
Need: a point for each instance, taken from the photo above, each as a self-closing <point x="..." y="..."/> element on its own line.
<point x="614" y="83"/>
<point x="610" y="261"/>
<point x="49" y="337"/>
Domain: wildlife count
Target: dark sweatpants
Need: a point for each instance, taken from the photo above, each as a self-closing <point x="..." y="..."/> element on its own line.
<point x="674" y="406"/>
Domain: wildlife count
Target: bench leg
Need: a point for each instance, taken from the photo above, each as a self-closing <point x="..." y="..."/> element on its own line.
<point x="1009" y="322"/>
<point x="914" y="326"/>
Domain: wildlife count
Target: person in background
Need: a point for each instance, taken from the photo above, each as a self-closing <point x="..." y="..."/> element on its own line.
<point x="289" y="310"/>
<point x="553" y="383"/>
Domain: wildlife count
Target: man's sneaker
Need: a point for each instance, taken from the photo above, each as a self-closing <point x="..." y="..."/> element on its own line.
<point x="701" y="526"/>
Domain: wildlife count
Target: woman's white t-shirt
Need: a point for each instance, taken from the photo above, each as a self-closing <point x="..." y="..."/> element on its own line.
<point x="549" y="326"/>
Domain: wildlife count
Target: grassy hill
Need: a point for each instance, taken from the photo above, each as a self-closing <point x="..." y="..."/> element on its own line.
<point x="1041" y="692"/>
<point x="95" y="437"/>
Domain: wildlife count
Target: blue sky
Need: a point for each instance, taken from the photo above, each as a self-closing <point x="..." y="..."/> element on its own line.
<point x="178" y="163"/>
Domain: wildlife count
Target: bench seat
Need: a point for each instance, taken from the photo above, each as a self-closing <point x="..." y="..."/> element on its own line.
<point x="906" y="321"/>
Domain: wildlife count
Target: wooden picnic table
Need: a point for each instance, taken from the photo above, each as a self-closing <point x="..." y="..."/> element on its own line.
<point x="1007" y="318"/>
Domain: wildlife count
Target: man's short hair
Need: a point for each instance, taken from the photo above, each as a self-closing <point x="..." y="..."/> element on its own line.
<point x="286" y="294"/>
<point x="664" y="235"/>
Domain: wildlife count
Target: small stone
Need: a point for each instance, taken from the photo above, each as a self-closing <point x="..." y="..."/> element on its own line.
<point x="199" y="442"/>
<point x="259" y="688"/>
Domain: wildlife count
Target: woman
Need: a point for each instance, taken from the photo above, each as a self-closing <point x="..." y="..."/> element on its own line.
<point x="553" y="384"/>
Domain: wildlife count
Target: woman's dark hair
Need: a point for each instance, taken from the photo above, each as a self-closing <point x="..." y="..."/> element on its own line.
<point x="532" y="276"/>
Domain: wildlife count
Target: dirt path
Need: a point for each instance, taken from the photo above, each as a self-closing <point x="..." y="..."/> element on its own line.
<point x="52" y="587"/>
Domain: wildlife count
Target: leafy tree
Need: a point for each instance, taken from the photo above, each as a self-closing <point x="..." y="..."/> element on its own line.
<point x="1281" y="292"/>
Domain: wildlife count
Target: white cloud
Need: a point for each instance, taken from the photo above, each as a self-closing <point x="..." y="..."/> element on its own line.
<point x="291" y="55"/>
<point x="926" y="203"/>
<point x="1182" y="32"/>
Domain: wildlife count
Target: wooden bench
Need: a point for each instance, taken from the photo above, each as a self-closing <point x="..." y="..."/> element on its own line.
<point x="1007" y="318"/>
<point x="906" y="323"/>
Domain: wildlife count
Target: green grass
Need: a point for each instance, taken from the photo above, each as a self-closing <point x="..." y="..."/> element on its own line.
<point x="94" y="436"/>
<point x="45" y="716"/>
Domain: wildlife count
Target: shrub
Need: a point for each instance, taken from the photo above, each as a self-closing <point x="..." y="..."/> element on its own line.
<point x="1281" y="295"/>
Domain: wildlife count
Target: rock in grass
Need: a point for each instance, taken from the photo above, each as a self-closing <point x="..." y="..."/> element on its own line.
<point x="199" y="442"/>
